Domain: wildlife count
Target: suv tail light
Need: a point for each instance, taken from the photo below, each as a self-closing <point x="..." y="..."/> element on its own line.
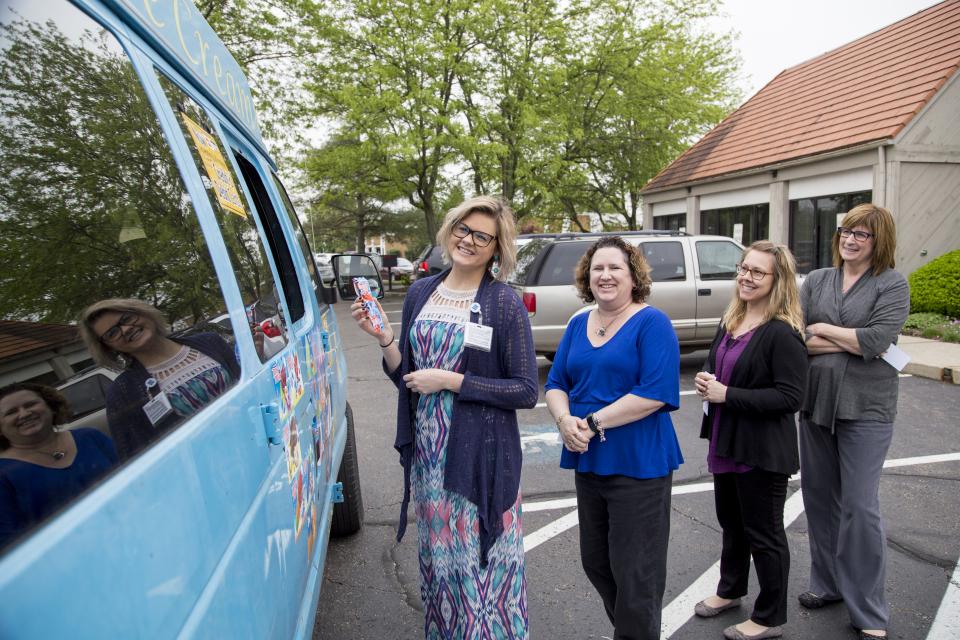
<point x="423" y="267"/>
<point x="530" y="302"/>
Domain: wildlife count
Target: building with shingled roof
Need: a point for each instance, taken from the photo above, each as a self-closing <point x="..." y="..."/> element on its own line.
<point x="876" y="120"/>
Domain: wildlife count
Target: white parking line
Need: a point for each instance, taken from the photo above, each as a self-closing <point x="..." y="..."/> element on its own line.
<point x="946" y="625"/>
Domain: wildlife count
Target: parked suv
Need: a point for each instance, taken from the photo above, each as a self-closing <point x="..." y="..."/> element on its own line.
<point x="693" y="279"/>
<point x="429" y="262"/>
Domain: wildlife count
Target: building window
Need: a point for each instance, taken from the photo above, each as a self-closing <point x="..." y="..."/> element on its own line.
<point x="675" y="222"/>
<point x="744" y="224"/>
<point x="813" y="221"/>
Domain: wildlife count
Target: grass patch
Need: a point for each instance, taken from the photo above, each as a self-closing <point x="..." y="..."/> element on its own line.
<point x="933" y="326"/>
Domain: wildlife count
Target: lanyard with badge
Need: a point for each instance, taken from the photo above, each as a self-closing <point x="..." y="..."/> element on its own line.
<point x="158" y="407"/>
<point x="476" y="334"/>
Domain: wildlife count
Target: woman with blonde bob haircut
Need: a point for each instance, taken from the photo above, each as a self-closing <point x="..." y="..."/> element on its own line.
<point x="163" y="379"/>
<point x="504" y="256"/>
<point x="754" y="381"/>
<point x="463" y="363"/>
<point x="854" y="312"/>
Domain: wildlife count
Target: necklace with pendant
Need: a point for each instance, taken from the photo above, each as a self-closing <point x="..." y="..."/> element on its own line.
<point x="602" y="331"/>
<point x="56" y="454"/>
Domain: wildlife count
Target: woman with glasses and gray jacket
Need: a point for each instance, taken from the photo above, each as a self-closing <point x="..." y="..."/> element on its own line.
<point x="853" y="312"/>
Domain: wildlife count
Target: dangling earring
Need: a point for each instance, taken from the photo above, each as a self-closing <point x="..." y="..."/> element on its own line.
<point x="495" y="265"/>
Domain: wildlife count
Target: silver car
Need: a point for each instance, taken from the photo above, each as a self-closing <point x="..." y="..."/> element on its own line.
<point x="693" y="280"/>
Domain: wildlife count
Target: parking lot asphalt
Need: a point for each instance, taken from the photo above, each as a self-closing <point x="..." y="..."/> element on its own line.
<point x="371" y="587"/>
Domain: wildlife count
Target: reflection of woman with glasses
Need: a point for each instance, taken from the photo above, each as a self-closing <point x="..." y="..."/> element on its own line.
<point x="758" y="366"/>
<point x="164" y="380"/>
<point x="853" y="311"/>
<point x="464" y="362"/>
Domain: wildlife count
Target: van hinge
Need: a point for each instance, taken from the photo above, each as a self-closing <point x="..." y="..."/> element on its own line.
<point x="325" y="338"/>
<point x="270" y="413"/>
<point x="336" y="492"/>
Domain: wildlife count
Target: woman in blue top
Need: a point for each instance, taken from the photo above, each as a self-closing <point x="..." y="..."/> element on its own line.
<point x="42" y="468"/>
<point x="614" y="381"/>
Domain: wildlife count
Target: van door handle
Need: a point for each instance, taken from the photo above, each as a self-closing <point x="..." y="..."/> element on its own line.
<point x="270" y="413"/>
<point x="703" y="292"/>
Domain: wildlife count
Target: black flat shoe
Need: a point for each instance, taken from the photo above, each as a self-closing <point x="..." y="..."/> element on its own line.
<point x="810" y="600"/>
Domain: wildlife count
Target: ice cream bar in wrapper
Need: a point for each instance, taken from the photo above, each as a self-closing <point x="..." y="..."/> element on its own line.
<point x="362" y="287"/>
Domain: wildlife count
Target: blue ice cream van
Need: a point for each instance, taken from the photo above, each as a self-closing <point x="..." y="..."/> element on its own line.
<point x="175" y="442"/>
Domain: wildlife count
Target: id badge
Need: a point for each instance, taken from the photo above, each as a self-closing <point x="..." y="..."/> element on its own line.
<point x="478" y="336"/>
<point x="158" y="408"/>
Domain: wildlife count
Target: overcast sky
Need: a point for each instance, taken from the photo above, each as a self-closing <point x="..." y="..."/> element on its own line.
<point x="778" y="34"/>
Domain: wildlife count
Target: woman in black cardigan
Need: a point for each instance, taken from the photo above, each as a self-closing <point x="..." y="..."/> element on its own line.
<point x="753" y="385"/>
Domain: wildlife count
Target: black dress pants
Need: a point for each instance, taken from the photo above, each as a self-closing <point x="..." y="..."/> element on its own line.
<point x="624" y="530"/>
<point x="750" y="511"/>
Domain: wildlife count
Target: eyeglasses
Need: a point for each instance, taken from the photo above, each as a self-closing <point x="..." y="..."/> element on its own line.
<point x="114" y="332"/>
<point x="482" y="239"/>
<point x="756" y="274"/>
<point x="859" y="236"/>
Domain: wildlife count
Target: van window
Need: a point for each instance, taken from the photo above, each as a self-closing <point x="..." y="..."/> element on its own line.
<point x="240" y="235"/>
<point x="665" y="260"/>
<point x="275" y="236"/>
<point x="561" y="262"/>
<point x="92" y="211"/>
<point x="321" y="293"/>
<point x="718" y="259"/>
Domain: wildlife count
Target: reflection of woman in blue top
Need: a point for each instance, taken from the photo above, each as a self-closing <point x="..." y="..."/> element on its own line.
<point x="613" y="384"/>
<point x="41" y="469"/>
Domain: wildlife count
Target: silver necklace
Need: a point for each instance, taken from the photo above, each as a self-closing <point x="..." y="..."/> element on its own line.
<point x="602" y="331"/>
<point x="56" y="454"/>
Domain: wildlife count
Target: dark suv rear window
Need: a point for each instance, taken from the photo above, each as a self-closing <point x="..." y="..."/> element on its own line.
<point x="560" y="263"/>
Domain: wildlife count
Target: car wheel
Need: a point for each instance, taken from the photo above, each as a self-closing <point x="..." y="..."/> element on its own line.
<point x="348" y="515"/>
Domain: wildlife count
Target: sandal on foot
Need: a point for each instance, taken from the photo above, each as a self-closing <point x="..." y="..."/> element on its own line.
<point x="732" y="633"/>
<point x="704" y="610"/>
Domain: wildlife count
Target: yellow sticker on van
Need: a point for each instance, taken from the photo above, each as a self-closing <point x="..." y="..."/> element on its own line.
<point x="216" y="167"/>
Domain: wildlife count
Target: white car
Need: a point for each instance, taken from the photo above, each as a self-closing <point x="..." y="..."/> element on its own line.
<point x="324" y="267"/>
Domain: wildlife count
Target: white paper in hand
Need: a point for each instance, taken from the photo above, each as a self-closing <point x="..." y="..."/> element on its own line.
<point x="896" y="357"/>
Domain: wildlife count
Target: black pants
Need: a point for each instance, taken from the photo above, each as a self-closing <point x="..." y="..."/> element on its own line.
<point x="624" y="529"/>
<point x="750" y="511"/>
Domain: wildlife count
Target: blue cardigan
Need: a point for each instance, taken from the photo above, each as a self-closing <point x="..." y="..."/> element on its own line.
<point x="483" y="450"/>
<point x="129" y="425"/>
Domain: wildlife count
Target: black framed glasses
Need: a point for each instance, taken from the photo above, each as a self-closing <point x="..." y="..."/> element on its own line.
<point x="755" y="273"/>
<point x="481" y="238"/>
<point x="128" y="319"/>
<point x="859" y="236"/>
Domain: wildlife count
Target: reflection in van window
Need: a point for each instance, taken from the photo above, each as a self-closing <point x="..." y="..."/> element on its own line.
<point x="240" y="235"/>
<point x="41" y="467"/>
<point x="92" y="207"/>
<point x="165" y="378"/>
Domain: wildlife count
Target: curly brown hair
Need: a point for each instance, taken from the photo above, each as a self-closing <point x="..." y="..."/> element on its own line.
<point x="639" y="269"/>
<point x="54" y="399"/>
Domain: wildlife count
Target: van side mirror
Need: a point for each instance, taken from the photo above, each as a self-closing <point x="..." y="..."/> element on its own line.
<point x="347" y="266"/>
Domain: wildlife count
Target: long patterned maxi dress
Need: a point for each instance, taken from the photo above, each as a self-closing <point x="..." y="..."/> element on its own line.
<point x="461" y="600"/>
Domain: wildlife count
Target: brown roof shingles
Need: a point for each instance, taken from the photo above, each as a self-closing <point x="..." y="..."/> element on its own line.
<point x="20" y="338"/>
<point x="863" y="92"/>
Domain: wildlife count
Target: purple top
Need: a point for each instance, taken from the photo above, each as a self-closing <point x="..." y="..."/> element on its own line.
<point x="728" y="352"/>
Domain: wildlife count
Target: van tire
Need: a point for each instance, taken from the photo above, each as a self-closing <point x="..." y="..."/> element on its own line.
<point x="348" y="515"/>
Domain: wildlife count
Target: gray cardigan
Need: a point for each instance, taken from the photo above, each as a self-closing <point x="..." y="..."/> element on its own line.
<point x="843" y="386"/>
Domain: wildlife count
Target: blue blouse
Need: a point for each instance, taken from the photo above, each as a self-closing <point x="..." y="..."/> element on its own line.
<point x="30" y="492"/>
<point x="643" y="359"/>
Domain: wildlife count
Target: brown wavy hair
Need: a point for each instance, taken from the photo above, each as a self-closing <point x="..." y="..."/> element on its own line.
<point x="54" y="399"/>
<point x="639" y="269"/>
<point x="884" y="230"/>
